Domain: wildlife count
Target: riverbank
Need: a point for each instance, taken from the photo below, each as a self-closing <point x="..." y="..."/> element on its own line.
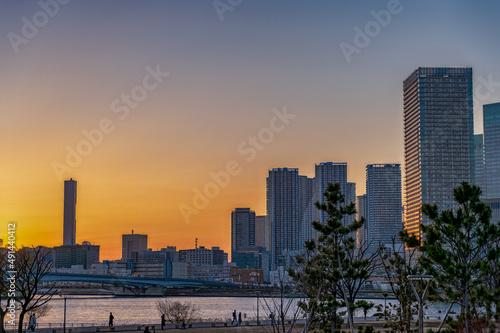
<point x="204" y="292"/>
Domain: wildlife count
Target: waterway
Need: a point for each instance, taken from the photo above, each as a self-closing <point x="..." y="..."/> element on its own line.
<point x="94" y="310"/>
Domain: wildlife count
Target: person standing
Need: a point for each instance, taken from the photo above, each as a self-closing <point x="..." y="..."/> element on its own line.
<point x="234" y="317"/>
<point x="239" y="318"/>
<point x="32" y="322"/>
<point x="111" y="318"/>
<point x="163" y="321"/>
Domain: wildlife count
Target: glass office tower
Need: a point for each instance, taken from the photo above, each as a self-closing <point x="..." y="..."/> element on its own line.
<point x="384" y="218"/>
<point x="491" y="123"/>
<point x="438" y="138"/>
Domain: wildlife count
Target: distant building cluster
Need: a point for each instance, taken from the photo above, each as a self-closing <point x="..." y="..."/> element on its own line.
<point x="440" y="152"/>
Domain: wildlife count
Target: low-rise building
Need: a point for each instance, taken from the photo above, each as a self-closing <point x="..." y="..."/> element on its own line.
<point x="247" y="275"/>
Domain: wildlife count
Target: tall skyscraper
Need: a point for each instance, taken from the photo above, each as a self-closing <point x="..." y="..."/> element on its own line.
<point x="362" y="212"/>
<point x="491" y="125"/>
<point x="308" y="209"/>
<point x="438" y="138"/>
<point x="132" y="244"/>
<point x="69" y="224"/>
<point x="350" y="195"/>
<point x="479" y="177"/>
<point x="288" y="196"/>
<point x="260" y="231"/>
<point x="242" y="228"/>
<point x="384" y="216"/>
<point x="326" y="173"/>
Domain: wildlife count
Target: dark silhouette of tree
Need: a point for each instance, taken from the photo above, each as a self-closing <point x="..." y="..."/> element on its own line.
<point x="279" y="302"/>
<point x="457" y="247"/>
<point x="32" y="264"/>
<point x="4" y="287"/>
<point x="176" y="311"/>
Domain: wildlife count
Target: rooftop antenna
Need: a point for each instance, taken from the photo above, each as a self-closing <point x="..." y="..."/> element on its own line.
<point x="132" y="231"/>
<point x="196" y="243"/>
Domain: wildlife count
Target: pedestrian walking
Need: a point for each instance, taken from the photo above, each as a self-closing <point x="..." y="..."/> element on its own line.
<point x="111" y="318"/>
<point x="163" y="321"/>
<point x="271" y="316"/>
<point x="234" y="317"/>
<point x="239" y="318"/>
<point x="146" y="330"/>
<point x="32" y="322"/>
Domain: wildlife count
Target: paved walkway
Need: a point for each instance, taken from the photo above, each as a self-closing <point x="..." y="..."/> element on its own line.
<point x="215" y="327"/>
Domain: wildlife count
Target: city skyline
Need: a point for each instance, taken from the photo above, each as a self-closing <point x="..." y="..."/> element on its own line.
<point x="151" y="107"/>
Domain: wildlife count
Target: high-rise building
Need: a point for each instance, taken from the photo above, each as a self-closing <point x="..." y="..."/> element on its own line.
<point x="260" y="231"/>
<point x="330" y="172"/>
<point x="491" y="125"/>
<point x="283" y="211"/>
<point x="69" y="226"/>
<point x="326" y="173"/>
<point x="384" y="216"/>
<point x="132" y="244"/>
<point x="438" y="139"/>
<point x="479" y="177"/>
<point x="81" y="255"/>
<point x="308" y="209"/>
<point x="362" y="213"/>
<point x="350" y="195"/>
<point x="350" y="198"/>
<point x="242" y="228"/>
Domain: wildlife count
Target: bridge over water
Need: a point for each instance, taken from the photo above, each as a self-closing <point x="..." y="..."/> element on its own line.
<point x="137" y="285"/>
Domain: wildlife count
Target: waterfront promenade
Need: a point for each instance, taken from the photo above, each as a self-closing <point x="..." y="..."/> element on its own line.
<point x="213" y="327"/>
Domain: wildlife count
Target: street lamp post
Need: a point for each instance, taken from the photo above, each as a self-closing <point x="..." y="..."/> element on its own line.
<point x="258" y="309"/>
<point x="420" y="297"/>
<point x="64" y="322"/>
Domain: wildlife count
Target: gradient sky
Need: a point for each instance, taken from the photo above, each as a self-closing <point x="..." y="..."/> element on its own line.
<point x="225" y="79"/>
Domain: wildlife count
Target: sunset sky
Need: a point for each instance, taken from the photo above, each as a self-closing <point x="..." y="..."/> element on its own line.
<point x="233" y="66"/>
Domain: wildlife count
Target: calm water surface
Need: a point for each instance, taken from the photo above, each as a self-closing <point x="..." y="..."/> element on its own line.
<point x="142" y="310"/>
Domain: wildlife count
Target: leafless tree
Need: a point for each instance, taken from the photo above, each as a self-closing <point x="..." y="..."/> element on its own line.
<point x="176" y="311"/>
<point x="281" y="304"/>
<point x="398" y="263"/>
<point x="32" y="264"/>
<point x="41" y="311"/>
<point x="4" y="288"/>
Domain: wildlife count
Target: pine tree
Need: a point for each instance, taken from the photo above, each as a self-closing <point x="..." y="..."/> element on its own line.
<point x="457" y="247"/>
<point x="333" y="270"/>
